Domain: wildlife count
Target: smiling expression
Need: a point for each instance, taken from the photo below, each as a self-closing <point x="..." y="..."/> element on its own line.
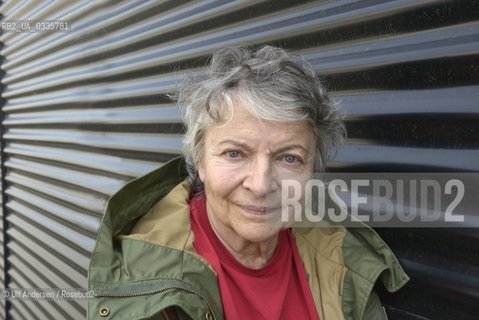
<point x="243" y="163"/>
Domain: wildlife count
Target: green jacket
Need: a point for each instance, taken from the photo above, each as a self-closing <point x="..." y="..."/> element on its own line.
<point x="145" y="263"/>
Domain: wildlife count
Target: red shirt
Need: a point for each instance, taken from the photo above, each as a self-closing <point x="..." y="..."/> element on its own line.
<point x="279" y="290"/>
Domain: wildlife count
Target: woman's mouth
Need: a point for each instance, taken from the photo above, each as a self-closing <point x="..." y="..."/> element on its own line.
<point x="258" y="210"/>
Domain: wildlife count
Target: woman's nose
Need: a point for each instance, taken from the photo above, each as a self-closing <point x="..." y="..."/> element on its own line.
<point x="260" y="177"/>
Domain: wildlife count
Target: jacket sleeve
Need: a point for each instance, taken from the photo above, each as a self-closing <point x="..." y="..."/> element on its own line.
<point x="374" y="309"/>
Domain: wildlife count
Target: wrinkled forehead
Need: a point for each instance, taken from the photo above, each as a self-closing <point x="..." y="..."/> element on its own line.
<point x="240" y="124"/>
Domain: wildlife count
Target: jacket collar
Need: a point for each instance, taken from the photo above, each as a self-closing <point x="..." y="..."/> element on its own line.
<point x="123" y="209"/>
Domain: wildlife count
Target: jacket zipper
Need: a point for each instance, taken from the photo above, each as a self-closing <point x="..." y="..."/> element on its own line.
<point x="136" y="294"/>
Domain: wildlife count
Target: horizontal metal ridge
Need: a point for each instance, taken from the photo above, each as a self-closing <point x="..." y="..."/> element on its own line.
<point x="147" y="142"/>
<point x="124" y="115"/>
<point x="360" y="152"/>
<point x="111" y="164"/>
<point x="92" y="94"/>
<point x="457" y="40"/>
<point x="61" y="213"/>
<point x="51" y="267"/>
<point x="69" y="255"/>
<point x="76" y="198"/>
<point x="453" y="285"/>
<point x="69" y="176"/>
<point x="450" y="101"/>
<point x="75" y="239"/>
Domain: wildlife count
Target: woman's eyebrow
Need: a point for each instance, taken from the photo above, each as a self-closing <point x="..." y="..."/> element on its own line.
<point x="239" y="144"/>
<point x="289" y="147"/>
<point x="246" y="147"/>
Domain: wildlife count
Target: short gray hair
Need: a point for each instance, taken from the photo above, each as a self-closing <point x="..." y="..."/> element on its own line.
<point x="273" y="85"/>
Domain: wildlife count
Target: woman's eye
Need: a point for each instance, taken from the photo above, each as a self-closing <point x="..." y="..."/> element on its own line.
<point x="291" y="159"/>
<point x="233" y="154"/>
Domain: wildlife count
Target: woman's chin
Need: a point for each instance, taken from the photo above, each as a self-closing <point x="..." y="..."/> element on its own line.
<point x="259" y="233"/>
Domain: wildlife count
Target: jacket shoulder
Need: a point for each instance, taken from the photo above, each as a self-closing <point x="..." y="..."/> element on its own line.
<point x="344" y="265"/>
<point x="369" y="260"/>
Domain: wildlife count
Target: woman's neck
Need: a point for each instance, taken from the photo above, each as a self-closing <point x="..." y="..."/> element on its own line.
<point x="254" y="255"/>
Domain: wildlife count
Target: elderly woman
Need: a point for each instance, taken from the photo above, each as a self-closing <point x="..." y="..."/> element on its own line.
<point x="203" y="236"/>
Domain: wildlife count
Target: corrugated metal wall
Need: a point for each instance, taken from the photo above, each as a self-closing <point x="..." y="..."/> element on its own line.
<point x="84" y="112"/>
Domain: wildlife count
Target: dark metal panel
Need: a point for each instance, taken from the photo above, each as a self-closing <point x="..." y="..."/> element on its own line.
<point x="444" y="271"/>
<point x="451" y="41"/>
<point x="370" y="155"/>
<point x="413" y="103"/>
<point x="86" y="111"/>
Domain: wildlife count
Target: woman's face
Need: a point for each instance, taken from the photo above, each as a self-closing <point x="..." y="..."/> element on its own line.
<point x="243" y="163"/>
